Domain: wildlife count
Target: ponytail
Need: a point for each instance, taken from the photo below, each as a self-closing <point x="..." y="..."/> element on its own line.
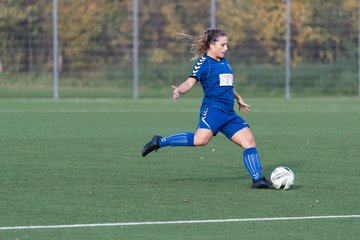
<point x="201" y="44"/>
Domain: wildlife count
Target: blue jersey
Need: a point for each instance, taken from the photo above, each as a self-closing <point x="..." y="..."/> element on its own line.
<point x="217" y="80"/>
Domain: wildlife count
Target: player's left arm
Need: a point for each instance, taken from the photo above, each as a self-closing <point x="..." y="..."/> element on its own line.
<point x="244" y="107"/>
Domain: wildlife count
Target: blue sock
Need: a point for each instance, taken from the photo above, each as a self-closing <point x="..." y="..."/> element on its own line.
<point x="252" y="163"/>
<point x="178" y="139"/>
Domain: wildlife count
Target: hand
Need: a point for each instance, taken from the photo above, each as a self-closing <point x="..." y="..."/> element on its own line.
<point x="176" y="92"/>
<point x="245" y="108"/>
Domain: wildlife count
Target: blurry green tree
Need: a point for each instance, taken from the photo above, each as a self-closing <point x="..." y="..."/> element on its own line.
<point x="95" y="30"/>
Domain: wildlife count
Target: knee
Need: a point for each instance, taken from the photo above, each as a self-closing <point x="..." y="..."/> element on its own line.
<point x="200" y="141"/>
<point x="249" y="143"/>
<point x="244" y="138"/>
<point x="202" y="137"/>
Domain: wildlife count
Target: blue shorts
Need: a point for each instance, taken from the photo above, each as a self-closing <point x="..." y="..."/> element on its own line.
<point x="217" y="121"/>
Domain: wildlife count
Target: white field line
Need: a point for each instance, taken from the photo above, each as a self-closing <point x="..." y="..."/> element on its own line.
<point x="94" y="111"/>
<point x="176" y="222"/>
<point x="83" y="110"/>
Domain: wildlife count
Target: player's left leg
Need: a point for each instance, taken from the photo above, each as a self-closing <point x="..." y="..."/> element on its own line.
<point x="238" y="131"/>
<point x="246" y="140"/>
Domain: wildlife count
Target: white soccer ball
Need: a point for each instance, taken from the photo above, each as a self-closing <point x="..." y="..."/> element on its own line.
<point x="282" y="178"/>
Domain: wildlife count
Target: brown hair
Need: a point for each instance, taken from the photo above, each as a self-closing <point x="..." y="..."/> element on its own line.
<point x="200" y="45"/>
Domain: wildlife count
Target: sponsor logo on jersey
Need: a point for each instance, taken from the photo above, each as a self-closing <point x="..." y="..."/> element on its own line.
<point x="226" y="79"/>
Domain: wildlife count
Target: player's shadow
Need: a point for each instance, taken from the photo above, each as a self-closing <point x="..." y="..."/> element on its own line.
<point x="224" y="179"/>
<point x="209" y="179"/>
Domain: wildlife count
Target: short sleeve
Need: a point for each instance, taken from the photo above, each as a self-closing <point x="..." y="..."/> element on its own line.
<point x="198" y="69"/>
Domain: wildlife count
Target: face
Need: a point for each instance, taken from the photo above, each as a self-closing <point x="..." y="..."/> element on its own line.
<point x="218" y="49"/>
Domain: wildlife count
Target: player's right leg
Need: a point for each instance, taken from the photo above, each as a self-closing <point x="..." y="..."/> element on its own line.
<point x="207" y="118"/>
<point x="152" y="145"/>
<point x="200" y="138"/>
<point x="178" y="139"/>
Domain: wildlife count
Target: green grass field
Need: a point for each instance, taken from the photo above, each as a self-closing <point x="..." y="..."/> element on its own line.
<point x="70" y="162"/>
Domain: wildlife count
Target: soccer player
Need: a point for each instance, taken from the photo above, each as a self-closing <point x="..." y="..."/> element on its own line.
<point x="217" y="113"/>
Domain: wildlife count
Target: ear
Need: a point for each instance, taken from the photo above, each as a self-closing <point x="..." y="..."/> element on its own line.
<point x="212" y="44"/>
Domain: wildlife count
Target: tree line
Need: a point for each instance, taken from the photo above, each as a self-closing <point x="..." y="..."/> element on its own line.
<point x="95" y="33"/>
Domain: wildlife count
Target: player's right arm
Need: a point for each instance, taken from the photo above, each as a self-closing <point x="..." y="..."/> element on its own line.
<point x="183" y="88"/>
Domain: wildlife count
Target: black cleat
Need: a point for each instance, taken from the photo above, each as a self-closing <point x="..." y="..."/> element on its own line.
<point x="151" y="146"/>
<point x="262" y="183"/>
